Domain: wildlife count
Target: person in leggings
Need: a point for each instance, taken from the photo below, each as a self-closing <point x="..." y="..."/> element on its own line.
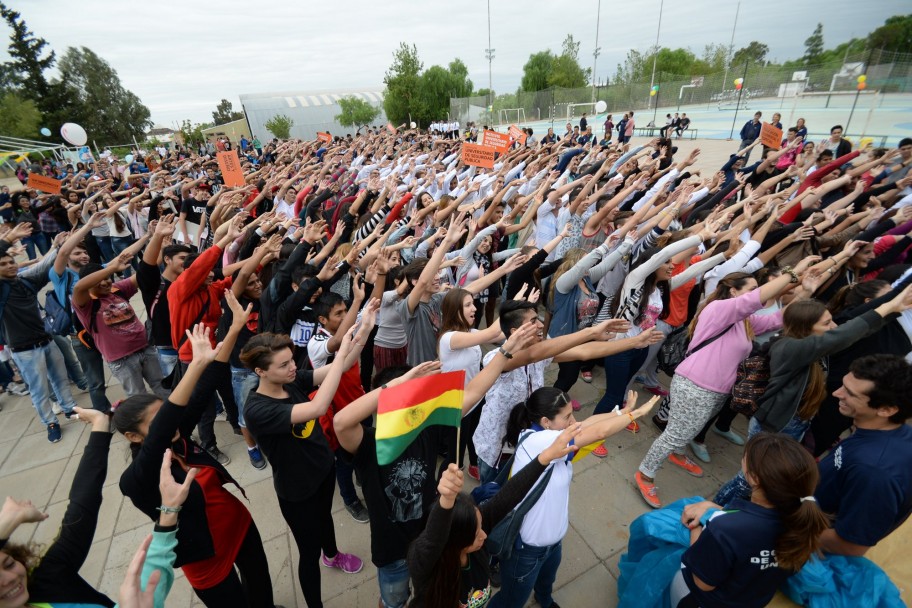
<point x="285" y="420"/>
<point x="217" y="532"/>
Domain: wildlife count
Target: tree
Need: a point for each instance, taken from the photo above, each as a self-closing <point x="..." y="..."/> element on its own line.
<point x="19" y="117"/>
<point x="192" y="133"/>
<point x="280" y="126"/>
<point x="224" y="113"/>
<point x="356" y="112"/>
<point x="566" y="71"/>
<point x="91" y="94"/>
<point x="486" y="93"/>
<point x="29" y="57"/>
<point x="894" y="35"/>
<point x="537" y="70"/>
<point x="714" y="57"/>
<point x="460" y="85"/>
<point x="813" y="46"/>
<point x="402" y="84"/>
<point x="754" y="53"/>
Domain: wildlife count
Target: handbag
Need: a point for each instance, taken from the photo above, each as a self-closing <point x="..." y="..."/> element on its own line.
<point x="676" y="348"/>
<point x="177" y="372"/>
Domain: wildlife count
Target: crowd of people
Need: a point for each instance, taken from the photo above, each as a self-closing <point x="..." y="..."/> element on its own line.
<point x="342" y="269"/>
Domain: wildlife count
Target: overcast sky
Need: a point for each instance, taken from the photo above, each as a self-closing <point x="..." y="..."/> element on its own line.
<point x="182" y="57"/>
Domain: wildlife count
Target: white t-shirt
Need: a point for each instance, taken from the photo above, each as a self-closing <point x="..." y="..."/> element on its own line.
<point x="283" y="209"/>
<point x="318" y="348"/>
<point x="454" y="360"/>
<point x="546" y="522"/>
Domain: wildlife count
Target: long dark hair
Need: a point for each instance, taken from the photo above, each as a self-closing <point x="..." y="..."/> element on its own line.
<point x="786" y="473"/>
<point x="649" y="285"/>
<point x="446" y="579"/>
<point x="129" y="414"/>
<point x="545" y="402"/>
<point x="850" y="296"/>
<point x="734" y="280"/>
<point x="798" y="320"/>
<point x="451" y="316"/>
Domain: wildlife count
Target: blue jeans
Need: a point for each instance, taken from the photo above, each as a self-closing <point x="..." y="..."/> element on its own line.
<point x="344" y="474"/>
<point x="394" y="584"/>
<point x="528" y="569"/>
<point x="619" y="370"/>
<point x="242" y="382"/>
<point x="73" y="366"/>
<point x="737" y="487"/>
<point x="118" y="244"/>
<point x="486" y="472"/>
<point x="42" y="369"/>
<point x="167" y="359"/>
<point x="93" y="366"/>
<point x="107" y="250"/>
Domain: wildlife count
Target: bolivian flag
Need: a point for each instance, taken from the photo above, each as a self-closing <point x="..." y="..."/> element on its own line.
<point x="406" y="410"/>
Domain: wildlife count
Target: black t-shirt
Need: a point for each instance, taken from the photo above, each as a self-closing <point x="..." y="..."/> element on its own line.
<point x="154" y="289"/>
<point x="867" y="482"/>
<point x="736" y="554"/>
<point x="399" y="495"/>
<point x="22" y="322"/>
<point x="249" y="331"/>
<point x="299" y="453"/>
<point x="194" y="209"/>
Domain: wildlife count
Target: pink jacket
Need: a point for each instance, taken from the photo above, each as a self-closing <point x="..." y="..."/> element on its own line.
<point x="713" y="367"/>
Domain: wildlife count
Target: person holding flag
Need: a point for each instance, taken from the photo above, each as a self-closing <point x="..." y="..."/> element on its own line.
<point x="398" y="473"/>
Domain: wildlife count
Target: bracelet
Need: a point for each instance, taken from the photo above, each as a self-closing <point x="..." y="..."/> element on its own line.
<point x="788" y="270"/>
<point x="504" y="352"/>
<point x="632" y="419"/>
<point x="165" y="509"/>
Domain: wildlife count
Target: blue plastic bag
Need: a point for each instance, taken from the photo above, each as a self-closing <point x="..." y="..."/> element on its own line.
<point x="839" y="581"/>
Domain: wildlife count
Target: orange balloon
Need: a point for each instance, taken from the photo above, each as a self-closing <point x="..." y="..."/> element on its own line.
<point x="862" y="86"/>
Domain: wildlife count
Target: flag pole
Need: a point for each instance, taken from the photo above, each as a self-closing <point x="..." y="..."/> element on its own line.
<point x="458" y="443"/>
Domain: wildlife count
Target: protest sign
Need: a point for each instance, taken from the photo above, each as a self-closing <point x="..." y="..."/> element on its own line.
<point x="517" y="134"/>
<point x="499" y="141"/>
<point x="478" y="156"/>
<point x="231" y="170"/>
<point x="43" y="183"/>
<point x="770" y="136"/>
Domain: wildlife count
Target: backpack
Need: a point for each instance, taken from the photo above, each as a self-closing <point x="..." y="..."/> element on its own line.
<point x="58" y="317"/>
<point x="751" y="380"/>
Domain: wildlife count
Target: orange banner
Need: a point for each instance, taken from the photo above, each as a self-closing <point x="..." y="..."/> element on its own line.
<point x="324" y="136"/>
<point x="478" y="156"/>
<point x="499" y="141"/>
<point x="231" y="170"/>
<point x="43" y="183"/>
<point x="770" y="136"/>
<point x="517" y="134"/>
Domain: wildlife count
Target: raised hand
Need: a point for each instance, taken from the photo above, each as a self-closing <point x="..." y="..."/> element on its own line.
<point x="173" y="494"/>
<point x="239" y="313"/>
<point x="131" y="594"/>
<point x="21" y="512"/>
<point x="522" y="337"/>
<point x="203" y="352"/>
<point x="450" y="486"/>
<point x="561" y="445"/>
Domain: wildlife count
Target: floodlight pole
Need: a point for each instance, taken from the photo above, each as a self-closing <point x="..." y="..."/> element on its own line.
<point x="655" y="55"/>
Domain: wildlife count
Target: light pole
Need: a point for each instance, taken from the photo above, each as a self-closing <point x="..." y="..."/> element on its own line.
<point x="489" y="53"/>
<point x="597" y="50"/>
<point x="731" y="49"/>
<point x="655" y="55"/>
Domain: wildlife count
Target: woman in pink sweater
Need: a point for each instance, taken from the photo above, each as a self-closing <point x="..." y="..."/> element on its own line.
<point x="721" y="337"/>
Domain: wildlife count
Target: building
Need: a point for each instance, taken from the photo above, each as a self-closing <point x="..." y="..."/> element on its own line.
<point x="311" y="111"/>
<point x="234" y="131"/>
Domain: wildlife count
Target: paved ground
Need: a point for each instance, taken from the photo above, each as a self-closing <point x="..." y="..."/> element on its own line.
<point x="604" y="501"/>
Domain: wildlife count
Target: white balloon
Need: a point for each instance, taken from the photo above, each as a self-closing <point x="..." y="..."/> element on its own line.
<point x="413" y="125"/>
<point x="600" y="106"/>
<point x="128" y="158"/>
<point x="74" y="134"/>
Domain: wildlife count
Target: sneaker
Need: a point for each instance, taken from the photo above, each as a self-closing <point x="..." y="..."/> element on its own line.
<point x="699" y="451"/>
<point x="686" y="463"/>
<point x="730" y="435"/>
<point x="256" y="458"/>
<point x="55" y="407"/>
<point x="474" y="474"/>
<point x="53" y="432"/>
<point x="346" y="562"/>
<point x="576" y="405"/>
<point x="17" y="388"/>
<point x="220" y="456"/>
<point x="587" y="377"/>
<point x="600" y="452"/>
<point x="358" y="512"/>
<point x="71" y="415"/>
<point x="237" y="430"/>
<point x="647" y="491"/>
<point x="633" y="427"/>
<point x="661" y="424"/>
<point x="657" y="390"/>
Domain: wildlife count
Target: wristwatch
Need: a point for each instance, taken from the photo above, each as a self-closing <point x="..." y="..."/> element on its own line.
<point x="505" y="353"/>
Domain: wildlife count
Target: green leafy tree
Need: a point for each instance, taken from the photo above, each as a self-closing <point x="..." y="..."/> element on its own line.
<point x="537" y="71"/>
<point x="356" y="112"/>
<point x="29" y="57"/>
<point x="566" y="71"/>
<point x="714" y="58"/>
<point x="280" y="126"/>
<point x="754" y="53"/>
<point x="224" y="113"/>
<point x="192" y="133"/>
<point x="813" y="46"/>
<point x="460" y="84"/>
<point x="402" y="96"/>
<point x="894" y="35"/>
<point x="19" y="117"/>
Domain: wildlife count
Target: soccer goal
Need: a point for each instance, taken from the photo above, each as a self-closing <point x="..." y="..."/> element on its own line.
<point x="577" y="109"/>
<point x="512" y="116"/>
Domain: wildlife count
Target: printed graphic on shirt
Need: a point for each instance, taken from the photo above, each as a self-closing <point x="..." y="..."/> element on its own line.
<point x="766" y="559"/>
<point x="301" y="332"/>
<point x="302" y="430"/>
<point x="478" y="598"/>
<point x="119" y="317"/>
<point x="404" y="489"/>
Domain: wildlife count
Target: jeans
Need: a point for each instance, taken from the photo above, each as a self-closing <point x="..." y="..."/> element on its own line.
<point x="745" y="143"/>
<point x="344" y="475"/>
<point x="394" y="584"/>
<point x="133" y="369"/>
<point x="242" y="382"/>
<point x="74" y="370"/>
<point x="107" y="249"/>
<point x="167" y="359"/>
<point x="619" y="370"/>
<point x="737" y="486"/>
<point x="486" y="472"/>
<point x="528" y="569"/>
<point x="93" y="367"/>
<point x="649" y="371"/>
<point x="42" y="368"/>
<point x="29" y="242"/>
<point x="118" y="244"/>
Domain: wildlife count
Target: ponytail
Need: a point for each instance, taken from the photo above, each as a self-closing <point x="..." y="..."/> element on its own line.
<point x="787" y="476"/>
<point x="546" y="402"/>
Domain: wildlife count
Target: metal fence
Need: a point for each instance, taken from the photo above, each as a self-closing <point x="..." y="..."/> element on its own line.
<point x="886" y="72"/>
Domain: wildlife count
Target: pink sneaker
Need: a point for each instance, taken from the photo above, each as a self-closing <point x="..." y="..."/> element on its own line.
<point x="346" y="562"/>
<point x="576" y="405"/>
<point x="657" y="390"/>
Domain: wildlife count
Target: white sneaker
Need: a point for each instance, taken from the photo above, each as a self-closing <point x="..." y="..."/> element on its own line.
<point x="55" y="407"/>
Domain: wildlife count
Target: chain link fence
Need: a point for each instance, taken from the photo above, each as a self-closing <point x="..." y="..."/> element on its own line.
<point x="887" y="72"/>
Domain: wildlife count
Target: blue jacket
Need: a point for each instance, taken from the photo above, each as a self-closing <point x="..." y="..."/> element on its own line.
<point x="750" y="131"/>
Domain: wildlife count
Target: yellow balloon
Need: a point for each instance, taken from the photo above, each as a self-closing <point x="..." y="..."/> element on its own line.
<point x="652" y="93"/>
<point x="862" y="78"/>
